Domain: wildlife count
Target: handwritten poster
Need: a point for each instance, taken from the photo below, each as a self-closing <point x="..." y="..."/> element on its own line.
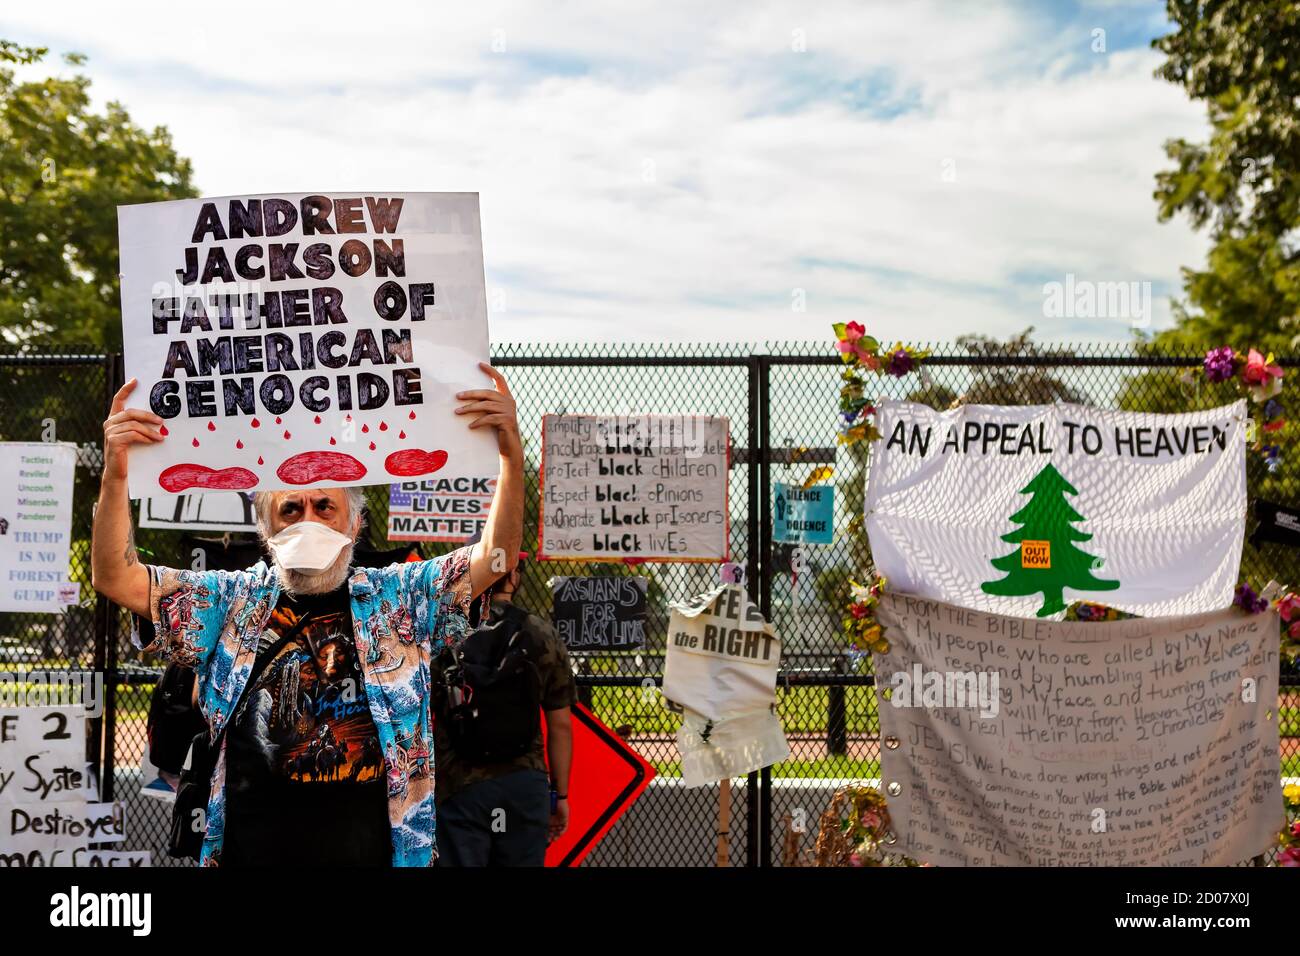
<point x="1142" y="742"/>
<point x="604" y="612"/>
<point x="439" y="509"/>
<point x="1023" y="509"/>
<point x="644" y="487"/>
<point x="36" y="481"/>
<point x="304" y="340"/>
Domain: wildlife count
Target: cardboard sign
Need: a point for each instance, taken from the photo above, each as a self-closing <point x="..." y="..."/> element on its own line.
<point x="606" y="779"/>
<point x="599" y="613"/>
<point x="1141" y="742"/>
<point x="298" y="340"/>
<point x="42" y="756"/>
<point x="646" y="488"/>
<point x="804" y="515"/>
<point x="439" y="509"/>
<point x="36" y="481"/>
<point x="209" y="511"/>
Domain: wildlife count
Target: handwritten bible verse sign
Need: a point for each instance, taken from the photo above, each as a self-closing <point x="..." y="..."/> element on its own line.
<point x="304" y="340"/>
<point x="1022" y="510"/>
<point x="1142" y="742"/>
<point x="645" y="487"/>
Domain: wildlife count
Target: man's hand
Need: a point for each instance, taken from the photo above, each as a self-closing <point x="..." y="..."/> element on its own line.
<point x="559" y="821"/>
<point x="494" y="408"/>
<point x="123" y="428"/>
<point x="116" y="571"/>
<point x="503" y="532"/>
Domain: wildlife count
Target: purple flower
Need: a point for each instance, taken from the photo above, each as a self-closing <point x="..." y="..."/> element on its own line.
<point x="899" y="363"/>
<point x="1272" y="409"/>
<point x="1220" y="364"/>
<point x="1272" y="457"/>
<point x="1248" y="600"/>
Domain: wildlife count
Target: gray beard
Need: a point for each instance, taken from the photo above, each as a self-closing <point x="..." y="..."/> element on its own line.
<point x="300" y="582"/>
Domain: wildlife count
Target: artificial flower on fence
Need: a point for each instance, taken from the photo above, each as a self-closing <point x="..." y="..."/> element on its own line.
<point x="1259" y="377"/>
<point x="855" y="830"/>
<point x="862" y="353"/>
<point x="1289" y="839"/>
<point x="860" y="625"/>
<point x="1288" y="612"/>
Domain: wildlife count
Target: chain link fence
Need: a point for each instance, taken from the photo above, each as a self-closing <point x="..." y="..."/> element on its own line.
<point x="781" y="403"/>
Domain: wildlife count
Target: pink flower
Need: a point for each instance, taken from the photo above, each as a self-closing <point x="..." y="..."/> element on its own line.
<point x="1289" y="607"/>
<point x="854" y="331"/>
<point x="1289" y="857"/>
<point x="855" y="859"/>
<point x="1294" y="631"/>
<point x="1262" y="376"/>
<point x="871" y="819"/>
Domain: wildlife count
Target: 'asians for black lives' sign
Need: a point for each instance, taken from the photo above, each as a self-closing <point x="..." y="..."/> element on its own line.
<point x="604" y="612"/>
<point x="297" y="340"/>
<point x="1023" y="509"/>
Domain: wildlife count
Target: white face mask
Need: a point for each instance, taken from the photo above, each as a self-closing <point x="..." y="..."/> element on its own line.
<point x="307" y="546"/>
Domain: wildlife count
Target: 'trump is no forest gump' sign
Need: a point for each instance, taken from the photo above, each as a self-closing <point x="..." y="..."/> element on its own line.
<point x="299" y="340"/>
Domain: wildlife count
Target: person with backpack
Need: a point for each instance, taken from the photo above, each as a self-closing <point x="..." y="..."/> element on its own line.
<point x="501" y="795"/>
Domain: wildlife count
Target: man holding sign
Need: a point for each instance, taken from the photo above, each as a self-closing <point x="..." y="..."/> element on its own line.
<point x="313" y="675"/>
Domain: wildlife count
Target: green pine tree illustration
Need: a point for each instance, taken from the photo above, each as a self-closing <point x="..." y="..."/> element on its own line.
<point x="1047" y="517"/>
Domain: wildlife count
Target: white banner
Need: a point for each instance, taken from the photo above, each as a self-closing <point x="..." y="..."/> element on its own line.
<point x="304" y="340"/>
<point x="208" y="511"/>
<point x="36" y="481"/>
<point x="645" y="487"/>
<point x="1023" y="509"/>
<point x="1143" y="742"/>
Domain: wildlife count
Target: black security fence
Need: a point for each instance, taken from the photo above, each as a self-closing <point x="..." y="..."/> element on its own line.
<point x="781" y="403"/>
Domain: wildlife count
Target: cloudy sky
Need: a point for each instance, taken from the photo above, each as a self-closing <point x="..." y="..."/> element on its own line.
<point x="714" y="171"/>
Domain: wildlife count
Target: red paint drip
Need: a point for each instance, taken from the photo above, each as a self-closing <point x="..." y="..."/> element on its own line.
<point x="259" y="460"/>
<point x="286" y="433"/>
<point x="333" y="442"/>
<point x="162" y="430"/>
<point x="194" y="442"/>
<point x="365" y="428"/>
<point x="372" y="446"/>
<point x="412" y="416"/>
<point x="383" y="426"/>
<point x="239" y="444"/>
<point x="277" y="420"/>
<point x="401" y="434"/>
<point x="211" y="427"/>
<point x="317" y="419"/>
<point x="255" y="423"/>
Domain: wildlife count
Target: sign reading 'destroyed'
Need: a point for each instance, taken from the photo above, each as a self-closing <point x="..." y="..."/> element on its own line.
<point x="1021" y="510"/>
<point x="36" y="481"/>
<point x="1142" y="742"/>
<point x="603" y="612"/>
<point x="648" y="487"/>
<point x="304" y="340"/>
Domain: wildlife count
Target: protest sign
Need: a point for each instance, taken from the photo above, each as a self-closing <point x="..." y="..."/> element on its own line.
<point x="1021" y="510"/>
<point x="640" y="487"/>
<point x="720" y="667"/>
<point x="42" y="756"/>
<point x="206" y="511"/>
<point x="803" y="515"/>
<point x="36" y="481"/>
<point x="605" y="613"/>
<point x="439" y="509"/>
<point x="304" y="340"/>
<point x="1144" y="742"/>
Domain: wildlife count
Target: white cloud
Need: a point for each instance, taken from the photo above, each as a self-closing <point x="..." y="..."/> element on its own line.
<point x="654" y="171"/>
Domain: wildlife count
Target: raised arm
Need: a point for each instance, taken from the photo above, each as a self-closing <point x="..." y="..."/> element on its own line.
<point x="116" y="571"/>
<point x="503" y="533"/>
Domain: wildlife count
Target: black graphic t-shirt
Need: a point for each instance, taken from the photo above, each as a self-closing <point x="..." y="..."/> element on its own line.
<point x="304" y="771"/>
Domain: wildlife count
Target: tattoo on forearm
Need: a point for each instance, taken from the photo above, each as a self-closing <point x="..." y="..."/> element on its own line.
<point x="130" y="553"/>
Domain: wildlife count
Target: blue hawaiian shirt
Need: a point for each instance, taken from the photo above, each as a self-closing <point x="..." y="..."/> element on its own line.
<point x="402" y="615"/>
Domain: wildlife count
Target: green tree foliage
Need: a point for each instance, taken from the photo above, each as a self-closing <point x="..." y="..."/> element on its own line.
<point x="1241" y="58"/>
<point x="1003" y="382"/>
<point x="64" y="170"/>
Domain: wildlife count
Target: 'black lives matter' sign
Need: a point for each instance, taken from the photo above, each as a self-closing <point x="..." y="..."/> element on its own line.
<point x="599" y="613"/>
<point x="304" y="339"/>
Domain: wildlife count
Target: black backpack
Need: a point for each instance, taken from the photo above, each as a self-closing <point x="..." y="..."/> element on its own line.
<point x="490" y="691"/>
